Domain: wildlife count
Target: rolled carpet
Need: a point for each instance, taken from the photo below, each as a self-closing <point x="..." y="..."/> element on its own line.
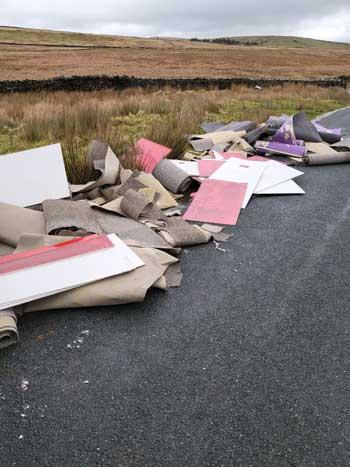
<point x="326" y="159"/>
<point x="8" y="328"/>
<point x="172" y="177"/>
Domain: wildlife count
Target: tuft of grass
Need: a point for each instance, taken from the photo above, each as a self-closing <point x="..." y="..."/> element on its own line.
<point x="121" y="118"/>
<point x="78" y="170"/>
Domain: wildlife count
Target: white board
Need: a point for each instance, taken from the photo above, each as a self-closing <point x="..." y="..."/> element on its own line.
<point x="241" y="171"/>
<point x="285" y="188"/>
<point x="190" y="167"/>
<point x="29" y="177"/>
<point x="275" y="174"/>
<point x="49" y="279"/>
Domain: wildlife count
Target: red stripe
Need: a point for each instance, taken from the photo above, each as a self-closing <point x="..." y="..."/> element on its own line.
<point x="48" y="254"/>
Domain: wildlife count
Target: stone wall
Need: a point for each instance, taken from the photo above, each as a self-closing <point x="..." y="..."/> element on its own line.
<point x="97" y="83"/>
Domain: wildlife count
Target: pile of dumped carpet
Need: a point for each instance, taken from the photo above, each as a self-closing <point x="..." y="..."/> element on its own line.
<point x="109" y="241"/>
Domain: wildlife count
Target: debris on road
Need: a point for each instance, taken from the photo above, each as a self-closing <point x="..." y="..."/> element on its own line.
<point x="24" y="385"/>
<point x="109" y="241"/>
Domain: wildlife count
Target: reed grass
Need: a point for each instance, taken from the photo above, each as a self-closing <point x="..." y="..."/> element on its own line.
<point x="121" y="118"/>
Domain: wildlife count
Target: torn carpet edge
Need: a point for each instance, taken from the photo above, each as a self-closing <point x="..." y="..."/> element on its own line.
<point x="108" y="166"/>
<point x="69" y="215"/>
<point x="8" y="328"/>
<point x="180" y="233"/>
<point x="15" y="220"/>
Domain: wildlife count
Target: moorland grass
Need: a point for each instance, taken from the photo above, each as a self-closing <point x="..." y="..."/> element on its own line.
<point x="120" y="118"/>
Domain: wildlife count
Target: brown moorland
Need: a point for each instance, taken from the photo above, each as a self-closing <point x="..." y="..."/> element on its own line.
<point x="67" y="54"/>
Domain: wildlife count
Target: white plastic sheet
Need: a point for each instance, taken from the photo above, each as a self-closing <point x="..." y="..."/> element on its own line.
<point x="29" y="177"/>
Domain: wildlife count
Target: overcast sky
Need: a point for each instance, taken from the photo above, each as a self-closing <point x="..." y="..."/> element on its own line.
<point x="321" y="19"/>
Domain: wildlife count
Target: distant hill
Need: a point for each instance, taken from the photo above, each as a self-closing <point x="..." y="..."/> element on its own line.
<point x="275" y="41"/>
<point x="42" y="37"/>
<point x="27" y="36"/>
<point x="41" y="54"/>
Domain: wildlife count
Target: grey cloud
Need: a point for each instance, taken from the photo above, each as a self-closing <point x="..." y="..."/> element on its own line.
<point x="201" y="18"/>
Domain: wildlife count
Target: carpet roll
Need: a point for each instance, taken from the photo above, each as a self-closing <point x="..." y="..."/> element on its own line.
<point x="172" y="177"/>
<point x="326" y="159"/>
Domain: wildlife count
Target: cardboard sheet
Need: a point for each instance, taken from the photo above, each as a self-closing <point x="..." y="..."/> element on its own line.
<point x="241" y="171"/>
<point x="27" y="284"/>
<point x="149" y="154"/>
<point x="217" y="202"/>
<point x="29" y="177"/>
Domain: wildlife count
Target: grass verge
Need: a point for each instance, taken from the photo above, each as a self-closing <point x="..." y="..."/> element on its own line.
<point x="120" y="118"/>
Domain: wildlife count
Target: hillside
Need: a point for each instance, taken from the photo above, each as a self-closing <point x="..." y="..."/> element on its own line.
<point x="279" y="41"/>
<point x="15" y="35"/>
<point x="42" y="54"/>
<point x="25" y="36"/>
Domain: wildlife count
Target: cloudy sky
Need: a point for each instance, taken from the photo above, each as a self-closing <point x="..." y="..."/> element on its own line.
<point x="186" y="18"/>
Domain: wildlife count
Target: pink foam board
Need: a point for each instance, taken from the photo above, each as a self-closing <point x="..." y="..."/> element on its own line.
<point x="48" y="254"/>
<point x="232" y="155"/>
<point x="208" y="166"/>
<point x="150" y="153"/>
<point x="217" y="202"/>
<point x="259" y="159"/>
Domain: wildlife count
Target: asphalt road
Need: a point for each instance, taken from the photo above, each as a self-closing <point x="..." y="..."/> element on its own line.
<point x="247" y="364"/>
<point x="338" y="119"/>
